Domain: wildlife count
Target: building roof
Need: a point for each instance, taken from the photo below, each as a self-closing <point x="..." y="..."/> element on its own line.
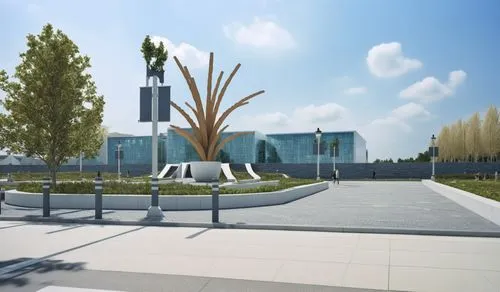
<point x="10" y="160"/>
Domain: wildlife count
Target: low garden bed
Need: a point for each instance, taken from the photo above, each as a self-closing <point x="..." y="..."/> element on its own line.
<point x="486" y="188"/>
<point x="114" y="187"/>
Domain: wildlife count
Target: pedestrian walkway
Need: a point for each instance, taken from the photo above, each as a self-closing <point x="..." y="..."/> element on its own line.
<point x="131" y="258"/>
<point x="407" y="206"/>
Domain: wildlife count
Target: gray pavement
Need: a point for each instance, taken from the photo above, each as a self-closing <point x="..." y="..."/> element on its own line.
<point x="42" y="257"/>
<point x="398" y="205"/>
<point x="58" y="274"/>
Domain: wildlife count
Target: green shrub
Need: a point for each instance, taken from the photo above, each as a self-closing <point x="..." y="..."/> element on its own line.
<point x="87" y="187"/>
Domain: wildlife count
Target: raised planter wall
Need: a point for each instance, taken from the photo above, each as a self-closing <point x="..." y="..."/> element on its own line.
<point x="251" y="184"/>
<point x="484" y="207"/>
<point x="169" y="203"/>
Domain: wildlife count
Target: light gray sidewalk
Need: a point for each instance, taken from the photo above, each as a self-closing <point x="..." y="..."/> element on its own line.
<point x="106" y="281"/>
<point x="368" y="261"/>
<point x="403" y="206"/>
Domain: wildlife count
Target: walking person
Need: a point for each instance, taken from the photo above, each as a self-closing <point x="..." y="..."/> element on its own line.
<point x="337" y="177"/>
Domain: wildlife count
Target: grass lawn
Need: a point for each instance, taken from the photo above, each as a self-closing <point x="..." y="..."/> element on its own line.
<point x="489" y="189"/>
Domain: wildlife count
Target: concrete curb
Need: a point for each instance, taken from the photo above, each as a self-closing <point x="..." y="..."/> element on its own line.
<point x="168" y="202"/>
<point x="339" y="229"/>
<point x="484" y="207"/>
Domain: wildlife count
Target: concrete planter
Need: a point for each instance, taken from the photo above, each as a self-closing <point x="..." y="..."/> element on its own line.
<point x="205" y="171"/>
<point x="168" y="203"/>
<point x="484" y="207"/>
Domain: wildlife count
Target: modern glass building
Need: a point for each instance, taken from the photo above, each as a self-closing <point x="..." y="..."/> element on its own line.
<point x="245" y="148"/>
<point x="254" y="147"/>
<point x="135" y="149"/>
<point x="275" y="148"/>
<point x="302" y="147"/>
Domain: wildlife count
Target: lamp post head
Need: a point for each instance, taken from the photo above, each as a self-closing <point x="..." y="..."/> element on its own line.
<point x="433" y="137"/>
<point x="318" y="133"/>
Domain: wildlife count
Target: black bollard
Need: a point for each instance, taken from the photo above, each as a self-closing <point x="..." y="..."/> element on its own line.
<point x="2" y="194"/>
<point x="215" y="203"/>
<point x="98" y="198"/>
<point x="46" y="197"/>
<point x="154" y="192"/>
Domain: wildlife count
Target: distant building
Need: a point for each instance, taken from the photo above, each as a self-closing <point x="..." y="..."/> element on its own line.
<point x="10" y="160"/>
<point x="275" y="148"/>
<point x="254" y="147"/>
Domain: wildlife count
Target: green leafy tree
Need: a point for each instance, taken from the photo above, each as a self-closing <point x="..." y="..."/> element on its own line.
<point x="52" y="108"/>
<point x="334" y="145"/>
<point x="155" y="56"/>
<point x="423" y="157"/>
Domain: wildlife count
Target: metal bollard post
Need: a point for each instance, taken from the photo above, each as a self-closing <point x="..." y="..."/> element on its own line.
<point x="215" y="203"/>
<point x="46" y="197"/>
<point x="98" y="198"/>
<point x="2" y="194"/>
<point x="154" y="192"/>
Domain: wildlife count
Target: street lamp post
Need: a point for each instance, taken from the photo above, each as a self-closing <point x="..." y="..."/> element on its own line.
<point x="318" y="137"/>
<point x="335" y="145"/>
<point x="119" y="146"/>
<point x="81" y="168"/>
<point x="433" y="139"/>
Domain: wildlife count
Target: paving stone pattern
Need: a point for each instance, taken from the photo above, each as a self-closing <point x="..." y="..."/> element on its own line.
<point x="409" y="205"/>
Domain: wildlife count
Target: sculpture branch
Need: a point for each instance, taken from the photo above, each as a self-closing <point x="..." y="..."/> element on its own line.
<point x="206" y="136"/>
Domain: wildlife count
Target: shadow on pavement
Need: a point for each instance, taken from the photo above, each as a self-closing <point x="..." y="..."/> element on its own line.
<point x="58" y="215"/>
<point x="64" y="229"/>
<point x="47" y="266"/>
<point x="198" y="233"/>
<point x="13" y="226"/>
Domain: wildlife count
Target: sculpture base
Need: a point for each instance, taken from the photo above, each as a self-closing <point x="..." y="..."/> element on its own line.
<point x="155" y="213"/>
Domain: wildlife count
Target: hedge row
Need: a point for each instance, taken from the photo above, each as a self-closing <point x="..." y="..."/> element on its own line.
<point x="87" y="187"/>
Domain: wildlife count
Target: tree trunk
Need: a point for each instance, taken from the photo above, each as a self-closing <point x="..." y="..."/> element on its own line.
<point x="53" y="175"/>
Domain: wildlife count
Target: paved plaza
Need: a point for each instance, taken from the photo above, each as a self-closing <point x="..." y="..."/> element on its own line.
<point x="372" y="204"/>
<point x="34" y="256"/>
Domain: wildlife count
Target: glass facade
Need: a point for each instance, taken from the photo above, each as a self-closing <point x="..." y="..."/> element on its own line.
<point x="254" y="147"/>
<point x="275" y="148"/>
<point x="302" y="147"/>
<point x="135" y="149"/>
<point x="243" y="149"/>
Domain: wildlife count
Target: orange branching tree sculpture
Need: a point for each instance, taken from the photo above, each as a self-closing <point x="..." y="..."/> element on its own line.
<point x="206" y="132"/>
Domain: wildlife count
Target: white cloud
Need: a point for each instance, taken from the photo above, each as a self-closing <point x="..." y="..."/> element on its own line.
<point x="188" y="54"/>
<point x="274" y="119"/>
<point x="260" y="34"/>
<point x="410" y="110"/>
<point x="431" y="89"/>
<point x="391" y="121"/>
<point x="387" y="60"/>
<point x="399" y="117"/>
<point x="456" y="78"/>
<point x="355" y="90"/>
<point x="328" y="112"/>
<point x="328" y="116"/>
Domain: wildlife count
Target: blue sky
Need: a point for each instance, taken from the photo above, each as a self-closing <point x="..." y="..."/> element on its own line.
<point x="396" y="71"/>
